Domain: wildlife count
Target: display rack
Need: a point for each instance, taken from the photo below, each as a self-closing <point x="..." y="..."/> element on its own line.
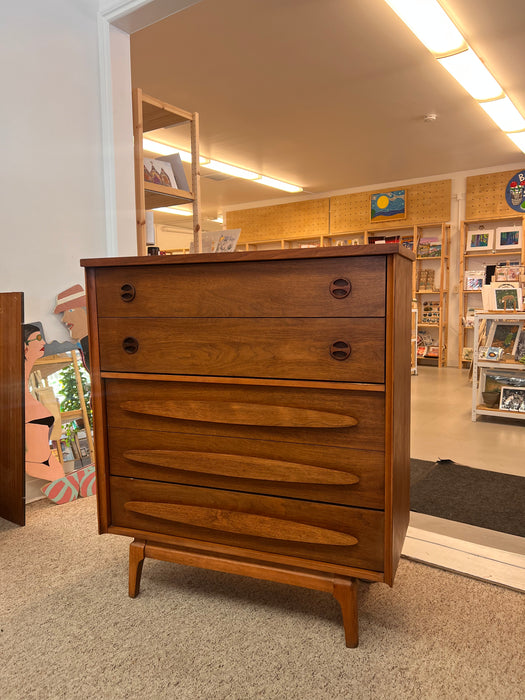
<point x="507" y="367"/>
<point x="470" y="300"/>
<point x="150" y="114"/>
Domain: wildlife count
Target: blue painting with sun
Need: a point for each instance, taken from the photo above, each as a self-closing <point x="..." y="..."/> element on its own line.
<point x="386" y="206"/>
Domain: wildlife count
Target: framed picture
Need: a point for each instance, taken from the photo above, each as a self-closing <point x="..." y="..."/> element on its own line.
<point x="508" y="238"/>
<point x="507" y="273"/>
<point x="507" y="298"/>
<point x="512" y="399"/>
<point x="473" y="280"/>
<point x="388" y="206"/>
<point x="480" y="240"/>
<point x="503" y="334"/>
<point x="429" y="248"/>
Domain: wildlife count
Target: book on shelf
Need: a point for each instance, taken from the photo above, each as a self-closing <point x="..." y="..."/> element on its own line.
<point x="174" y="160"/>
<point x="487" y="352"/>
<point x="159" y="172"/>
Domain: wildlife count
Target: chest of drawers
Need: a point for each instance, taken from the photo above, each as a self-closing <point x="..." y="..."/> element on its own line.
<point x="252" y="412"/>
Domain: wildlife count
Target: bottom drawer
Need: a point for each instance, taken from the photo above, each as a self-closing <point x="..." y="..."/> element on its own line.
<point x="321" y="532"/>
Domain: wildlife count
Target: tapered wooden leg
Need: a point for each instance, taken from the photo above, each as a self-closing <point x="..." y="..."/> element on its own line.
<point x="137" y="554"/>
<point x="345" y="592"/>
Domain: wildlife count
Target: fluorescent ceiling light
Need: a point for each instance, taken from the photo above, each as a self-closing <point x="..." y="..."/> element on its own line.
<point x="504" y="114"/>
<point x="219" y="166"/>
<point x="472" y="74"/>
<point x="430" y="23"/>
<point x="518" y="139"/>
<point x="278" y="184"/>
<point x="174" y="210"/>
<point x="231" y="170"/>
<point x="164" y="150"/>
<point x="218" y="220"/>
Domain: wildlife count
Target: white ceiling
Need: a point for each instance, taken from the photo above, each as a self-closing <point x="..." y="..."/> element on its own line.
<point x="327" y="94"/>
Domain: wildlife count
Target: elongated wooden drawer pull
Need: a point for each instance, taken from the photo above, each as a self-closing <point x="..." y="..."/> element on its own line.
<point x="340" y="288"/>
<point x="340" y="350"/>
<point x="241" y="413"/>
<point x="242" y="467"/>
<point x="241" y="523"/>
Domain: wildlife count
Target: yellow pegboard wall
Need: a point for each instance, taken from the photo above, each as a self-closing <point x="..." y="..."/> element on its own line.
<point x="426" y="203"/>
<point x="485" y="197"/>
<point x="281" y="221"/>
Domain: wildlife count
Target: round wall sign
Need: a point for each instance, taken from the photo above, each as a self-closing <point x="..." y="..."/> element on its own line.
<point x="515" y="192"/>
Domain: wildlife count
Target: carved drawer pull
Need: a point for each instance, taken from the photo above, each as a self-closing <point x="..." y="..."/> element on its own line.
<point x="127" y="292"/>
<point x="242" y="523"/>
<point x="340" y="350"/>
<point x="340" y="287"/>
<point x="130" y="345"/>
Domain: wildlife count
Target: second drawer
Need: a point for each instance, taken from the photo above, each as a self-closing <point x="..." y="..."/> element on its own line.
<point x="346" y="350"/>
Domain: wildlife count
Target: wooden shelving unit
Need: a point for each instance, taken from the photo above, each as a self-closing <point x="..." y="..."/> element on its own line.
<point x="436" y="289"/>
<point x="150" y="114"/>
<point x="508" y="368"/>
<point x="470" y="261"/>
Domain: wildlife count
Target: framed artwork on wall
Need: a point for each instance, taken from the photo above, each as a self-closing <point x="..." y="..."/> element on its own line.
<point x="388" y="206"/>
<point x="508" y="238"/>
<point x="479" y="240"/>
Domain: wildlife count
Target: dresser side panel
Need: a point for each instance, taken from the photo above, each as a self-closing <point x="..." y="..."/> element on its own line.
<point x="397" y="477"/>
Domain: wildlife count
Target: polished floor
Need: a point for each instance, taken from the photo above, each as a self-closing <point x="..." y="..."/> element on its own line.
<point x="442" y="426"/>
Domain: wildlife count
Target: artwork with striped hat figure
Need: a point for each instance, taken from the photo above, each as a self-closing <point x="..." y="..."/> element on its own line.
<point x="41" y="461"/>
<point x="71" y="303"/>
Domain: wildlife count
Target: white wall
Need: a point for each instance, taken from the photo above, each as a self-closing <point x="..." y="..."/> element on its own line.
<point x="51" y="175"/>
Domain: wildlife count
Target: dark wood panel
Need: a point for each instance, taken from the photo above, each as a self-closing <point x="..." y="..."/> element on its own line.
<point x="347" y="477"/>
<point x="277" y="288"/>
<point x="398" y="399"/>
<point x="12" y="422"/>
<point x="280" y="348"/>
<point x="367" y="408"/>
<point x="336" y="534"/>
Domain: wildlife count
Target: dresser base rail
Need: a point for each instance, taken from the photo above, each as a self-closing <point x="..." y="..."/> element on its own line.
<point x="344" y="589"/>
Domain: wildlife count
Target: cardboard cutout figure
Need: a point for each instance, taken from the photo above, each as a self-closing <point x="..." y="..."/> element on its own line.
<point x="71" y="303"/>
<point x="41" y="463"/>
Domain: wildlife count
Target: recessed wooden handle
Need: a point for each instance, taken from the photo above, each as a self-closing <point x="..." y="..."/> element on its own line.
<point x="340" y="287"/>
<point x="340" y="350"/>
<point x="130" y="345"/>
<point x="127" y="292"/>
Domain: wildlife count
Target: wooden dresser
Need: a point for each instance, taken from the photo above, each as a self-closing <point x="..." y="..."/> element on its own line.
<point x="252" y="412"/>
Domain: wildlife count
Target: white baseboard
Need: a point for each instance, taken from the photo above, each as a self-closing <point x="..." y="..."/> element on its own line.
<point x="501" y="560"/>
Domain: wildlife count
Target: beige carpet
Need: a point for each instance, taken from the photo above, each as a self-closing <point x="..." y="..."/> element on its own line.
<point x="69" y="630"/>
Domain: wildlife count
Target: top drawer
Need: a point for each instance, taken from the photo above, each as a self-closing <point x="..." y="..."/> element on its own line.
<point x="333" y="287"/>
